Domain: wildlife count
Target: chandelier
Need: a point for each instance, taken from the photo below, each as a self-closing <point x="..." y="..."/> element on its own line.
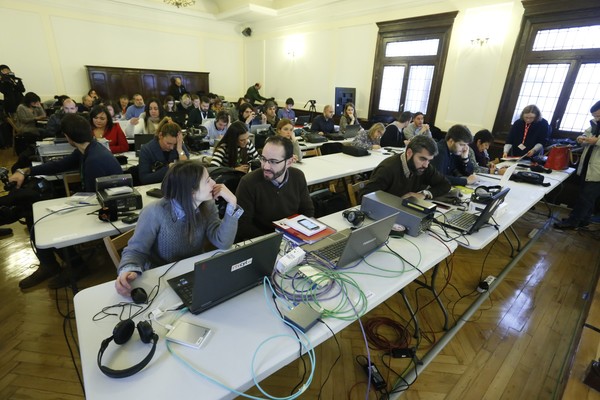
<point x="181" y="3"/>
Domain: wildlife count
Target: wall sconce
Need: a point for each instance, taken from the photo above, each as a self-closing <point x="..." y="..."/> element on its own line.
<point x="479" y="41"/>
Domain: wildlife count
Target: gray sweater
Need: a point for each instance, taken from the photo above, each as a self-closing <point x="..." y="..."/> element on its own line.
<point x="160" y="236"/>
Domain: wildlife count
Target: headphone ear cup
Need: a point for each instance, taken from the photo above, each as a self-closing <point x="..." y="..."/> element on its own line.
<point x="123" y="331"/>
<point x="145" y="331"/>
<point x="354" y="217"/>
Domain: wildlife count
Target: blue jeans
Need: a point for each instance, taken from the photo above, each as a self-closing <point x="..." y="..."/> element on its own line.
<point x="584" y="206"/>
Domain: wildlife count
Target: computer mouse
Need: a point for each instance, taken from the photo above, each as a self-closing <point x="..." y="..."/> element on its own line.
<point x="139" y="295"/>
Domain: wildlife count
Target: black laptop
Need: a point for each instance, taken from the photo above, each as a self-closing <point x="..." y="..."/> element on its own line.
<point x="467" y="222"/>
<point x="140" y="140"/>
<point x="302" y="120"/>
<point x="223" y="276"/>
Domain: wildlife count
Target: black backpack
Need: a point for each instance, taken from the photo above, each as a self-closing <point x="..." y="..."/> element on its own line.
<point x="529" y="177"/>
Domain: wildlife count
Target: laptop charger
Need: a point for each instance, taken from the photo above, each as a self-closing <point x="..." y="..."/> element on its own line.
<point x="291" y="259"/>
<point x="302" y="317"/>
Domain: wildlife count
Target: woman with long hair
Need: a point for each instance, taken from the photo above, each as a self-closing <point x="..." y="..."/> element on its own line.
<point x="235" y="150"/>
<point x="178" y="225"/>
<point x="148" y="122"/>
<point x="348" y="117"/>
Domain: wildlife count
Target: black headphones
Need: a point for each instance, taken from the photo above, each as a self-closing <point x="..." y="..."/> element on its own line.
<point x="483" y="194"/>
<point x="121" y="334"/>
<point x="356" y="218"/>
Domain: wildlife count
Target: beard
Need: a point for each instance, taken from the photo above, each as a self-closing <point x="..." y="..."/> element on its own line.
<point x="273" y="175"/>
<point x="412" y="167"/>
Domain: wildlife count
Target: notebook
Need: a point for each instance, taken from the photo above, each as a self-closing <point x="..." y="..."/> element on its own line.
<point x="352" y="131"/>
<point x="347" y="246"/>
<point x="224" y="276"/>
<point x="467" y="222"/>
<point x="140" y="140"/>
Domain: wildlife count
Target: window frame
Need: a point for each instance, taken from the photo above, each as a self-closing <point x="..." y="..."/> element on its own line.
<point x="438" y="26"/>
<point x="541" y="15"/>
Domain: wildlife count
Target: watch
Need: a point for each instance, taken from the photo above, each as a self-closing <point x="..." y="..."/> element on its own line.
<point x="21" y="171"/>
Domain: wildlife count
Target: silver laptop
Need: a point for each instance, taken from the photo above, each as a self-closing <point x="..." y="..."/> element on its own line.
<point x="254" y="129"/>
<point x="223" y="276"/>
<point x="347" y="246"/>
<point x="351" y="131"/>
<point x="490" y="182"/>
<point x="467" y="222"/>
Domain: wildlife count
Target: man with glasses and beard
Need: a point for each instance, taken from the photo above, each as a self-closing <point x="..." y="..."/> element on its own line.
<point x="410" y="173"/>
<point x="273" y="192"/>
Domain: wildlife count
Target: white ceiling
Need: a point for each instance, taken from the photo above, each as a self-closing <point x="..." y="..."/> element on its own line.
<point x="260" y="11"/>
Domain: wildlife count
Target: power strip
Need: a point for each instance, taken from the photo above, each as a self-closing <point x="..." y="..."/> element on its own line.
<point x="291" y="259"/>
<point x="484" y="285"/>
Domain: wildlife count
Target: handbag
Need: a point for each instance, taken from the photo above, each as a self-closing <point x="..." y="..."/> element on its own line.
<point x="559" y="158"/>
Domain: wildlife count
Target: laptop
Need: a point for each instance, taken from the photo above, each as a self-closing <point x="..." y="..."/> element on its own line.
<point x="140" y="140"/>
<point x="254" y="129"/>
<point x="503" y="181"/>
<point x="466" y="222"/>
<point x="352" y="131"/>
<point x="348" y="245"/>
<point x="223" y="276"/>
<point x="302" y="120"/>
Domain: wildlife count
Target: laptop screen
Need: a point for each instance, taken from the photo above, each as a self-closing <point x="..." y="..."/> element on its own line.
<point x="228" y="274"/>
<point x="490" y="209"/>
<point x="140" y="140"/>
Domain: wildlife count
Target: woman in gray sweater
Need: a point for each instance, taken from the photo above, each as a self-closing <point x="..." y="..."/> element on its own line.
<point x="176" y="226"/>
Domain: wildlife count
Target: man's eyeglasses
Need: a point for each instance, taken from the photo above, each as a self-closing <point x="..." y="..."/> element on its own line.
<point x="271" y="162"/>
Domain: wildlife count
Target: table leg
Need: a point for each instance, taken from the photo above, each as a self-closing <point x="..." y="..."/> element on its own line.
<point x="435" y="293"/>
<point x="411" y="312"/>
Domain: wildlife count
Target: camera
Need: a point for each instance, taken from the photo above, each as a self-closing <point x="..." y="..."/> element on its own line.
<point x="8" y="186"/>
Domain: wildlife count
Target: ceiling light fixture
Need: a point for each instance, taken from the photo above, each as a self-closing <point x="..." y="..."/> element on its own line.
<point x="181" y="3"/>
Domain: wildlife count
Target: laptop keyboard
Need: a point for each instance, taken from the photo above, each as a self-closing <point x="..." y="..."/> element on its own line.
<point x="462" y="220"/>
<point x="185" y="288"/>
<point x="334" y="251"/>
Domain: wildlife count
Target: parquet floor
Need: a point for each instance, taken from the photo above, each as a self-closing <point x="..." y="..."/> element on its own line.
<point x="519" y="345"/>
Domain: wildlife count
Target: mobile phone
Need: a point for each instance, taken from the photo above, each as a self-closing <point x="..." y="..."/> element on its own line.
<point x="130" y="219"/>
<point x="155" y="193"/>
<point x="308" y="224"/>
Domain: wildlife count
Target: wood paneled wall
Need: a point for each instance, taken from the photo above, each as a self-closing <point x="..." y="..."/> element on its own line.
<point x="112" y="82"/>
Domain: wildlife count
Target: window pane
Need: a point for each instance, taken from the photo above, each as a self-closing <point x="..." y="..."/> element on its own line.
<point x="419" y="87"/>
<point x="391" y="88"/>
<point x="583" y="37"/>
<point x="586" y="91"/>
<point x="413" y="48"/>
<point x="541" y="86"/>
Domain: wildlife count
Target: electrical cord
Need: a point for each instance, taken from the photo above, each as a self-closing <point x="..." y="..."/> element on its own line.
<point x="336" y="360"/>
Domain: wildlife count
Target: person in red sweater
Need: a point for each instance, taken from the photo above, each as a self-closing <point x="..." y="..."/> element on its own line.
<point x="103" y="127"/>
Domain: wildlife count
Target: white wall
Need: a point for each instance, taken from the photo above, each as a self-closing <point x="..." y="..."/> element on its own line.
<point x="54" y="40"/>
<point x="333" y="46"/>
<point x="339" y="52"/>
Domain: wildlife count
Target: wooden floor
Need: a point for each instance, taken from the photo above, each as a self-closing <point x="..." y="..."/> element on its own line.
<point x="520" y="345"/>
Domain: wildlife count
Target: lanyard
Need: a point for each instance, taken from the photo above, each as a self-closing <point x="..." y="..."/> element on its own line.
<point x="525" y="133"/>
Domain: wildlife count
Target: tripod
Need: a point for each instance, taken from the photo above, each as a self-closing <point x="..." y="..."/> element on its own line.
<point x="312" y="109"/>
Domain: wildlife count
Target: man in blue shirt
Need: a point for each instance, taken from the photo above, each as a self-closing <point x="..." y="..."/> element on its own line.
<point x="324" y="123"/>
<point x="138" y="107"/>
<point x="93" y="160"/>
<point x="453" y="156"/>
